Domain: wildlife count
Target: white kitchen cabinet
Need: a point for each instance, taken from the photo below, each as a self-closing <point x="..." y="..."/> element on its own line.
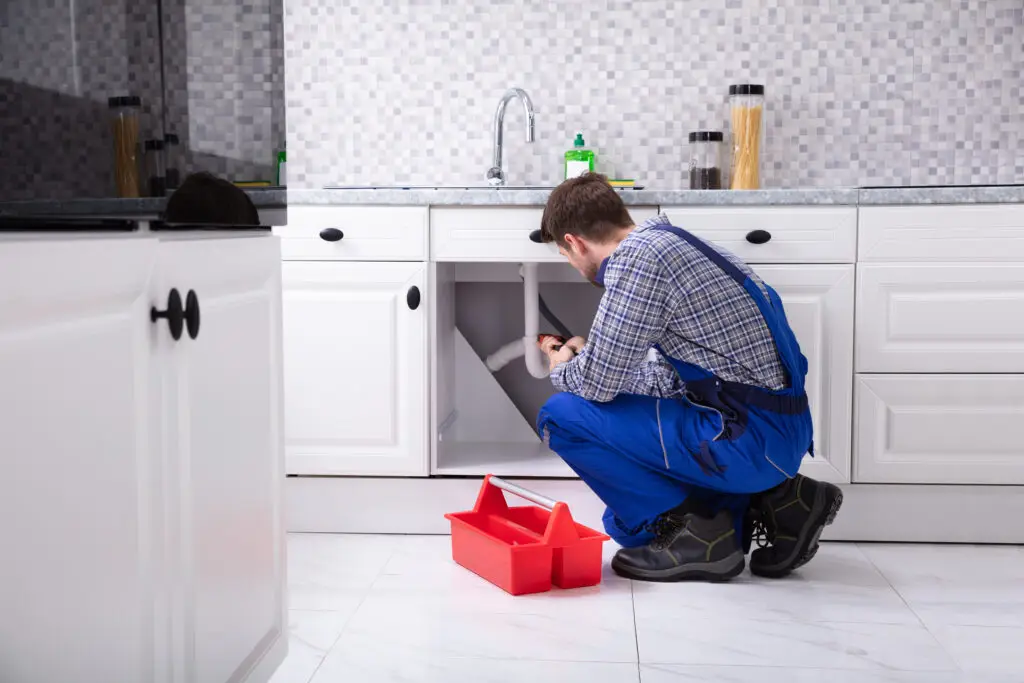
<point x="940" y="429"/>
<point x="940" y="317"/>
<point x="356" y="368"/>
<point x="140" y="504"/>
<point x="819" y="307"/>
<point x="222" y="393"/>
<point x="965" y="233"/>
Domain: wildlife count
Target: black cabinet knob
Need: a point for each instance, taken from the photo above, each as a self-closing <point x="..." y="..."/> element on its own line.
<point x="192" y="314"/>
<point x="535" y="236"/>
<point x="758" y="236"/>
<point x="331" y="234"/>
<point x="412" y="298"/>
<point x="174" y="314"/>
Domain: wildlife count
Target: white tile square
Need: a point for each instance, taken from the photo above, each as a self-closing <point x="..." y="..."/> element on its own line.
<point x="674" y="673"/>
<point x="985" y="649"/>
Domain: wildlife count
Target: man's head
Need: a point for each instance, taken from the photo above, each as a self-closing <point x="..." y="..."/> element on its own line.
<point x="587" y="219"/>
<point x="205" y="198"/>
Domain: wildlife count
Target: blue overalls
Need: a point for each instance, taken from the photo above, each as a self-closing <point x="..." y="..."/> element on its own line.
<point x="644" y="456"/>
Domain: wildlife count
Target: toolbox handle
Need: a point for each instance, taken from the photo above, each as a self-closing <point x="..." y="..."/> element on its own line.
<point x="529" y="495"/>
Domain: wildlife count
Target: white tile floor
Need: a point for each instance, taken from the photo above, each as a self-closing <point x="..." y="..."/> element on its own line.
<point x="377" y="609"/>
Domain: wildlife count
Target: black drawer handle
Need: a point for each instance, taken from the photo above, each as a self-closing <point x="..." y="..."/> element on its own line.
<point x="174" y="314"/>
<point x="758" y="236"/>
<point x="535" y="236"/>
<point x="412" y="298"/>
<point x="192" y="314"/>
<point x="331" y="234"/>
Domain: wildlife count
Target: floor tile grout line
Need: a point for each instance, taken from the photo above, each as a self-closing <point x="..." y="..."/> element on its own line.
<point x="636" y="634"/>
<point x="344" y="627"/>
<point x="913" y="611"/>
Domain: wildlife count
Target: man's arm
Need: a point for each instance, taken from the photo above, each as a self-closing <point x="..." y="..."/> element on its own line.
<point x="630" y="318"/>
<point x="655" y="378"/>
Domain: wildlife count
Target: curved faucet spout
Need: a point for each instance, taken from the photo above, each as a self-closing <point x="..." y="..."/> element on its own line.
<point x="496" y="175"/>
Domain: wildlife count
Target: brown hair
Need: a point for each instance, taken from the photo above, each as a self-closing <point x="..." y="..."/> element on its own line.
<point x="205" y="198"/>
<point x="587" y="207"/>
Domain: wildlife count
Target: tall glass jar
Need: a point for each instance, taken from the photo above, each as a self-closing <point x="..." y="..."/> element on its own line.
<point x="172" y="149"/>
<point x="746" y="113"/>
<point x="706" y="160"/>
<point x="125" y="125"/>
<point x="156" y="168"/>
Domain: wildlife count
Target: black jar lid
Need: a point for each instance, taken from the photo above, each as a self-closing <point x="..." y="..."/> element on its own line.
<point x="172" y="139"/>
<point x="124" y="101"/>
<point x="154" y="144"/>
<point x="746" y="89"/>
<point x="706" y="136"/>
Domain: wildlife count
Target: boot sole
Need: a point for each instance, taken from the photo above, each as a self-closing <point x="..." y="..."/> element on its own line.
<point x="714" y="572"/>
<point x="827" y="502"/>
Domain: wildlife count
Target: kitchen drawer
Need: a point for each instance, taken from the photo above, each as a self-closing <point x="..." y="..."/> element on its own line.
<point x="992" y="232"/>
<point x="813" y="234"/>
<point x="942" y="317"/>
<point x="496" y="233"/>
<point x="939" y="429"/>
<point x="371" y="233"/>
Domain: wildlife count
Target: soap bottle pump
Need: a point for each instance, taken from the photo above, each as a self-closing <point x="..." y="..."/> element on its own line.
<point x="579" y="159"/>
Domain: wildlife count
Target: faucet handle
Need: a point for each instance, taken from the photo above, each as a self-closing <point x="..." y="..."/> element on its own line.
<point x="495" y="177"/>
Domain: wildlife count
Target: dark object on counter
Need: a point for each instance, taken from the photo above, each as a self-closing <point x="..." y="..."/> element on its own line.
<point x="125" y="127"/>
<point x="172" y="153"/>
<point x="73" y="224"/>
<point x="156" y="168"/>
<point x="205" y="198"/>
<point x="706" y="159"/>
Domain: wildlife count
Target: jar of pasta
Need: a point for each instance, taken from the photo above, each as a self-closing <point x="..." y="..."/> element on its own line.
<point x="125" y="123"/>
<point x="746" y="114"/>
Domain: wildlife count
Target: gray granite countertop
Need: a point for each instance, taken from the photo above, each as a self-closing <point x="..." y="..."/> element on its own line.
<point x="278" y="198"/>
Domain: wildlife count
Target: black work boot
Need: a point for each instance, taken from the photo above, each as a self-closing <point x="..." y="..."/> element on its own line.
<point x="686" y="547"/>
<point x="788" y="521"/>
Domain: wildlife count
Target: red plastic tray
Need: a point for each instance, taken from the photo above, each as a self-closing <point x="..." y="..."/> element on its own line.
<point x="525" y="549"/>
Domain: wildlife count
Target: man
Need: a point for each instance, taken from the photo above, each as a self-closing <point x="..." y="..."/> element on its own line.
<point x="695" y="446"/>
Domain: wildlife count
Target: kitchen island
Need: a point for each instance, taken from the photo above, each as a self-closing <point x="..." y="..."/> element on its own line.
<point x="141" y="444"/>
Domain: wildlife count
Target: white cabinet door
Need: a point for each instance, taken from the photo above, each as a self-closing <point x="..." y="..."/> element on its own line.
<point x="355" y="348"/>
<point x="78" y="416"/>
<point x="940" y="429"/>
<point x="224" y="412"/>
<point x="819" y="306"/>
<point x="940" y="317"/>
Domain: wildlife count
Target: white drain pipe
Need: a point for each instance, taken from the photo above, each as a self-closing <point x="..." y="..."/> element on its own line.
<point x="536" y="362"/>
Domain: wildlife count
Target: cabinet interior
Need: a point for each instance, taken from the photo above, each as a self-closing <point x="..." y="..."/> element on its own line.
<point x="484" y="421"/>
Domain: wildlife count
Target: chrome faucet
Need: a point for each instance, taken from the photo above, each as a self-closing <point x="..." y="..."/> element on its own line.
<point x="496" y="176"/>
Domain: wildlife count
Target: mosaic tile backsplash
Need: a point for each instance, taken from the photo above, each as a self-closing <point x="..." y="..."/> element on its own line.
<point x="868" y="93"/>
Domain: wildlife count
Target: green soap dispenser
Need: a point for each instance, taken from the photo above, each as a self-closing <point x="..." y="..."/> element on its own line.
<point x="579" y="159"/>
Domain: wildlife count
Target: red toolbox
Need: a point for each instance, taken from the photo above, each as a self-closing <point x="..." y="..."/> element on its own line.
<point x="525" y="549"/>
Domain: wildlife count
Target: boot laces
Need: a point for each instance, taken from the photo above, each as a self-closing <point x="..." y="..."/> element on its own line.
<point x="763" y="528"/>
<point x="665" y="529"/>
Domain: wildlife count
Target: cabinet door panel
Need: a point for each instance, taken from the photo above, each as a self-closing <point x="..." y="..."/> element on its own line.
<point x="79" y="520"/>
<point x="819" y="306"/>
<point x="355" y="368"/>
<point x="225" y="431"/>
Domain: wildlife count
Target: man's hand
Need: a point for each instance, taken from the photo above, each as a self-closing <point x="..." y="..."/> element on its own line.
<point x="559" y="353"/>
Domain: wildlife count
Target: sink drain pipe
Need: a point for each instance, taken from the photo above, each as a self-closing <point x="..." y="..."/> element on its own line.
<point x="533" y="305"/>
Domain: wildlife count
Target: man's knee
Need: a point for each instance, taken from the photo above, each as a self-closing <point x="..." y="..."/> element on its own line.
<point x="561" y="411"/>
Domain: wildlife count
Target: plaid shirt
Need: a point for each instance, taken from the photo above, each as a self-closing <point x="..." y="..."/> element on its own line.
<point x="661" y="290"/>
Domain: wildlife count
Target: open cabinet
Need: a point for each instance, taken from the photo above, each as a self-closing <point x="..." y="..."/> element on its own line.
<point x="483" y="422"/>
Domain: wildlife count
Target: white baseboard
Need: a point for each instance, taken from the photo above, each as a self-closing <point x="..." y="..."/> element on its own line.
<point x="871" y="512"/>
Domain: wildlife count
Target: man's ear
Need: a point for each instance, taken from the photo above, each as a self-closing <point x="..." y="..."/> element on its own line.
<point x="575" y="244"/>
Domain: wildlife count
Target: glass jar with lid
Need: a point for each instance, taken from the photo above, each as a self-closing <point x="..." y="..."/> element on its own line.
<point x="746" y="114"/>
<point x="706" y="159"/>
<point x="124" y="113"/>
